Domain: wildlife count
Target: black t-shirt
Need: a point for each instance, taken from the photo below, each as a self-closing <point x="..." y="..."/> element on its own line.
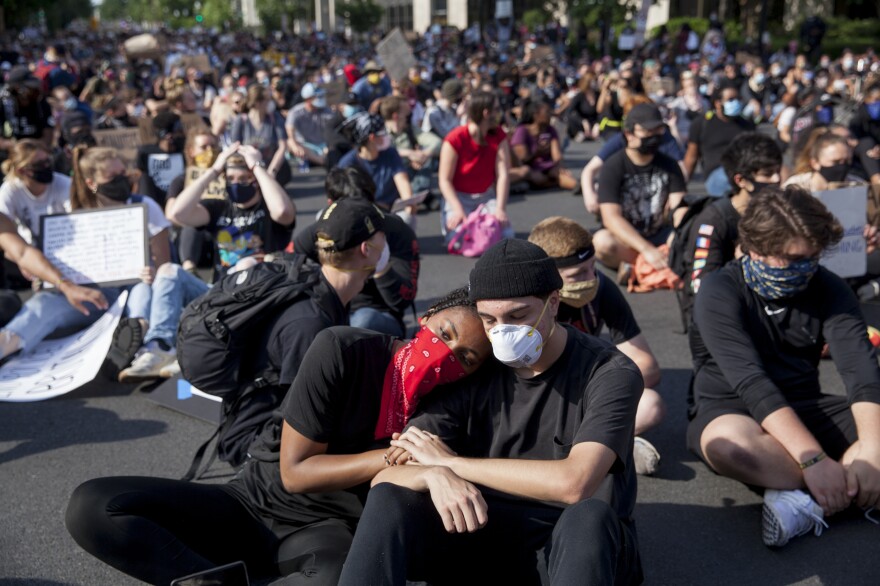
<point x="766" y="352"/>
<point x="240" y="232"/>
<point x="584" y="107"/>
<point x="335" y="399"/>
<point x="394" y="291"/>
<point x="608" y="308"/>
<point x="641" y="191"/>
<point x="713" y="135"/>
<point x="25" y="121"/>
<point x="589" y="394"/>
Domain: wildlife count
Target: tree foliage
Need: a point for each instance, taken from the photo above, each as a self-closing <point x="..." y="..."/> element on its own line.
<point x="272" y="12"/>
<point x="57" y="13"/>
<point x="362" y="15"/>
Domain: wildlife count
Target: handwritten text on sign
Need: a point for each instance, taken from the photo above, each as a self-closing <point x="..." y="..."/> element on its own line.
<point x="849" y="206"/>
<point x="56" y="367"/>
<point x="106" y="246"/>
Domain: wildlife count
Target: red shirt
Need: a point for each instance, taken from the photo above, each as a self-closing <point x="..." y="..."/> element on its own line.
<point x="475" y="169"/>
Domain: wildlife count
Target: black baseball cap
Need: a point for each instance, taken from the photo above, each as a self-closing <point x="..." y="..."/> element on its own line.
<point x="348" y="222"/>
<point x="645" y="115"/>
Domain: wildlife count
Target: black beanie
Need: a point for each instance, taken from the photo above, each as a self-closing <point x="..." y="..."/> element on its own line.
<point x="513" y="268"/>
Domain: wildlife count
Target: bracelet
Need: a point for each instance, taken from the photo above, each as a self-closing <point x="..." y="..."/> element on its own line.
<point x="259" y="164"/>
<point x="814" y="460"/>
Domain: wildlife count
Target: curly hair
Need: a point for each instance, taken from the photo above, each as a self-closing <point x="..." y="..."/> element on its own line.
<point x="455" y="298"/>
<point x="774" y="218"/>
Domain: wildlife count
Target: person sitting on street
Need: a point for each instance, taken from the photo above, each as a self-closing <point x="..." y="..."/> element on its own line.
<point x="760" y="416"/>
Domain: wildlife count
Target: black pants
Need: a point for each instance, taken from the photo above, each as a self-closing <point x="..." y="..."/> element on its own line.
<point x="400" y="536"/>
<point x="195" y="245"/>
<point x="156" y="530"/>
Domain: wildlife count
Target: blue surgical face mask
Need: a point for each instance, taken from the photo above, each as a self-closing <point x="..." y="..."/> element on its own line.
<point x="704" y="89"/>
<point x="70" y="103"/>
<point x="873" y="110"/>
<point x="320" y="102"/>
<point x="348" y="111"/>
<point x="825" y="115"/>
<point x="733" y="108"/>
<point x="760" y="79"/>
<point x="778" y="282"/>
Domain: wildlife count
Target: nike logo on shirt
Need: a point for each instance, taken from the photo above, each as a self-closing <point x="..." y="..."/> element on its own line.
<point x="769" y="311"/>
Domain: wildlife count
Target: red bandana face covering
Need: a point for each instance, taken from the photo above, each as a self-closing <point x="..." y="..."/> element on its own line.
<point x="422" y="364"/>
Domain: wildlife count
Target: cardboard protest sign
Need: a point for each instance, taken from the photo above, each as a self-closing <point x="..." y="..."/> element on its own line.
<point x="192" y="121"/>
<point x="663" y="86"/>
<point x="124" y="140"/>
<point x="396" y="55"/>
<point x="106" y="246"/>
<point x="216" y="188"/>
<point x="56" y="367"/>
<point x="146" y="131"/>
<point x="849" y="206"/>
<point x="743" y="58"/>
<point x="541" y="54"/>
<point x="336" y="91"/>
<point x="200" y="62"/>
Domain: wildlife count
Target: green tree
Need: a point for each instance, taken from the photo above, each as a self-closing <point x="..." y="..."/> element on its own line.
<point x="362" y="15"/>
<point x="217" y="13"/>
<point x="57" y="13"/>
<point x="273" y="12"/>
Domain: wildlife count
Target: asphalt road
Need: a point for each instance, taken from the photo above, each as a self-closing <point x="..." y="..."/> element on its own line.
<point x="694" y="527"/>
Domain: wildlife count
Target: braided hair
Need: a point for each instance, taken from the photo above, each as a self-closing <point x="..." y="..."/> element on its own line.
<point x="455" y="298"/>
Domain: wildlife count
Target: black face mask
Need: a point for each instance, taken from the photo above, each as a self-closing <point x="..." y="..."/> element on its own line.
<point x="240" y="192"/>
<point x="650" y="145"/>
<point x="118" y="189"/>
<point x="84" y="138"/>
<point x="759" y="186"/>
<point x="834" y="173"/>
<point x="42" y="175"/>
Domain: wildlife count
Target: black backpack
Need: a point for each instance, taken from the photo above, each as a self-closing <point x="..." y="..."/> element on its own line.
<point x="678" y="251"/>
<point x="216" y="328"/>
<point x="212" y="337"/>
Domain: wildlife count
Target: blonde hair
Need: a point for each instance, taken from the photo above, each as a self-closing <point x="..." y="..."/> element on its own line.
<point x="86" y="162"/>
<point x="21" y="154"/>
<point x="560" y="237"/>
<point x="328" y="255"/>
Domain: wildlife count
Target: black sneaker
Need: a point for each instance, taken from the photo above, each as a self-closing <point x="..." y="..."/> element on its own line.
<point x="127" y="340"/>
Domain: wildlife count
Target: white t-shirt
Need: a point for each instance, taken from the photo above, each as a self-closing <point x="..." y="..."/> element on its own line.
<point x="156" y="220"/>
<point x="24" y="208"/>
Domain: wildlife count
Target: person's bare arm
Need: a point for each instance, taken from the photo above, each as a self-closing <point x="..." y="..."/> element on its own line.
<point x="588" y="184"/>
<point x="502" y="185"/>
<point x="623" y="231"/>
<point x="637" y="350"/>
<point x="691" y="156"/>
<point x="863" y="468"/>
<point x="279" y="204"/>
<point x="187" y="211"/>
<point x="445" y="174"/>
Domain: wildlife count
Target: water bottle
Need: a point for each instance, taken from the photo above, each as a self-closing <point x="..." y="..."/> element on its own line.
<point x="304" y="166"/>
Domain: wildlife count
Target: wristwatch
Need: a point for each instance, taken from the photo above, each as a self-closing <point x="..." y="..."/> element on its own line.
<point x="259" y="164"/>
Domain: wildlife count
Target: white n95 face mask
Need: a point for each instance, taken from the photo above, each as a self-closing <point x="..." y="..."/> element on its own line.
<point x="384" y="258"/>
<point x="518" y="346"/>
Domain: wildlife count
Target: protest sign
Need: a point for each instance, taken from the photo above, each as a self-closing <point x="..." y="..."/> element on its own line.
<point x="146" y="131"/>
<point x="849" y="206"/>
<point x="336" y="91"/>
<point x="200" y="62"/>
<point x="396" y="55"/>
<point x="216" y="188"/>
<point x="164" y="167"/>
<point x="541" y="54"/>
<point x="56" y="367"/>
<point x="192" y="121"/>
<point x="124" y="140"/>
<point x="107" y="246"/>
<point x="743" y="58"/>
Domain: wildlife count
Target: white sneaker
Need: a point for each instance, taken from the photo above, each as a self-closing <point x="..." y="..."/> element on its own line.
<point x="147" y="365"/>
<point x="789" y="514"/>
<point x="645" y="456"/>
<point x="171" y="370"/>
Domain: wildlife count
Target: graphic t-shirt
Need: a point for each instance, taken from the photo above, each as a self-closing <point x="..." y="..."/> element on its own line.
<point x="641" y="190"/>
<point x="241" y="232"/>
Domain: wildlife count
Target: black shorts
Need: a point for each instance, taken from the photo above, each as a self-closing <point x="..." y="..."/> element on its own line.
<point x="828" y="417"/>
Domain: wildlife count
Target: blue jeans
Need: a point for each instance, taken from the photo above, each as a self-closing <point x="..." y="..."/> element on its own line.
<point x="173" y="289"/>
<point x="378" y="321"/>
<point x="48" y="311"/>
<point x="471" y="202"/>
<point x="717" y="183"/>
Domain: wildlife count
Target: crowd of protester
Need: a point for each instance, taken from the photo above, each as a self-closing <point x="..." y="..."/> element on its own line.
<point x="545" y="435"/>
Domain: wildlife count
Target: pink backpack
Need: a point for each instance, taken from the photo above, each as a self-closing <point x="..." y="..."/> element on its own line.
<point x="476" y="234"/>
